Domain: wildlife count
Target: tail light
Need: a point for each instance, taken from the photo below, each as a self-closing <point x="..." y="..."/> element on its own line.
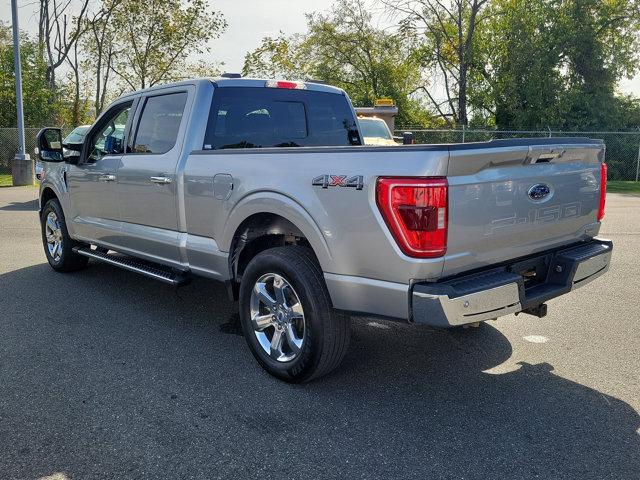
<point x="415" y="210"/>
<point x="603" y="190"/>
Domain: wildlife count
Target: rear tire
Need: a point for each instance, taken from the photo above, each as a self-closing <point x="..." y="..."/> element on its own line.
<point x="287" y="316"/>
<point x="58" y="245"/>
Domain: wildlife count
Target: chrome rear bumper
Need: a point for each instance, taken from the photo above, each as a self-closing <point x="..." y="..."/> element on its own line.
<point x="523" y="285"/>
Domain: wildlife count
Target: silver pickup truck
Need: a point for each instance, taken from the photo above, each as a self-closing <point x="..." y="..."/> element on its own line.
<point x="266" y="186"/>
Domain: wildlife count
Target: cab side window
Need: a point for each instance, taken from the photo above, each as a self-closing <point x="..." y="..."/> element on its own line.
<point x="109" y="140"/>
<point x="159" y="123"/>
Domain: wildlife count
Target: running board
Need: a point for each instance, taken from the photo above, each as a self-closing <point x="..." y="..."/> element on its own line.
<point x="151" y="270"/>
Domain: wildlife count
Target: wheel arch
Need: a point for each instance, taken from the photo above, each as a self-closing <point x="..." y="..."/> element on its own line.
<point x="266" y="221"/>
<point x="47" y="194"/>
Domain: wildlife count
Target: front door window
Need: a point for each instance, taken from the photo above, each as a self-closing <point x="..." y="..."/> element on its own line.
<point x="109" y="140"/>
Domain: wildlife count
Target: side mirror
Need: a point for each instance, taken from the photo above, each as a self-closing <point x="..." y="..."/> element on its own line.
<point x="73" y="147"/>
<point x="49" y="141"/>
<point x="407" y="138"/>
<point x="71" y="153"/>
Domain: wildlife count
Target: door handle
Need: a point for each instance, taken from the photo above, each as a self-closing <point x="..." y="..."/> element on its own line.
<point x="161" y="180"/>
<point x="107" y="177"/>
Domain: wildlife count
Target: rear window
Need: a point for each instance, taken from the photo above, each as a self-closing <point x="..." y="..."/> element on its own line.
<point x="246" y="117"/>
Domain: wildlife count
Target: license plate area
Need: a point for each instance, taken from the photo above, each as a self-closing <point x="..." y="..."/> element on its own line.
<point x="534" y="271"/>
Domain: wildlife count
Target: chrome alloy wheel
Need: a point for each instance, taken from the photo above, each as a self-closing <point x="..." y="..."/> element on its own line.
<point x="53" y="233"/>
<point x="277" y="317"/>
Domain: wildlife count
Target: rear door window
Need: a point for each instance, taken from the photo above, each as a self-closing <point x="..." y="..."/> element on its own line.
<point x="246" y="117"/>
<point x="159" y="123"/>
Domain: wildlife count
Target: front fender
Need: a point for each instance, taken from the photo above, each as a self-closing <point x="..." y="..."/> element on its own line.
<point x="54" y="181"/>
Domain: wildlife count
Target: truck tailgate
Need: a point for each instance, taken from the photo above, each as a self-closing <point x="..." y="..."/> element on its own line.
<point x="509" y="202"/>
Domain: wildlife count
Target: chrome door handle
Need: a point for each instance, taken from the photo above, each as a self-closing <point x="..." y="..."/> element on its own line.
<point x="162" y="180"/>
<point x="107" y="177"/>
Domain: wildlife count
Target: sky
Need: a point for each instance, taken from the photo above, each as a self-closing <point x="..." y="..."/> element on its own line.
<point x="249" y="21"/>
<point x="252" y="20"/>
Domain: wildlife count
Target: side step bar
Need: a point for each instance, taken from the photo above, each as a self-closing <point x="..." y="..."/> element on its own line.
<point x="157" y="272"/>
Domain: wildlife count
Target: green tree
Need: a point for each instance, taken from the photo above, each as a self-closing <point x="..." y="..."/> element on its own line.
<point x="541" y="63"/>
<point x="517" y="79"/>
<point x="599" y="48"/>
<point x="445" y="32"/>
<point x="277" y="57"/>
<point x="154" y="38"/>
<point x="38" y="100"/>
<point x="343" y="48"/>
<point x="58" y="33"/>
<point x="99" y="51"/>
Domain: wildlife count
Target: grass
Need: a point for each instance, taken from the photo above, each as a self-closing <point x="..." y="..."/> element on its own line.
<point x="6" y="180"/>
<point x="619" y="186"/>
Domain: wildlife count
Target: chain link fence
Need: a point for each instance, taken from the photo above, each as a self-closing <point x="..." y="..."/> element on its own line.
<point x="9" y="145"/>
<point x="623" y="148"/>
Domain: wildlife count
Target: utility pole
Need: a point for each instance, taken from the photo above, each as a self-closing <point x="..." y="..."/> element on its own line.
<point x="638" y="165"/>
<point x="22" y="166"/>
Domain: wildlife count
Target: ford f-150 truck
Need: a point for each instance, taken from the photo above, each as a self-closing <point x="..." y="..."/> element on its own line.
<point x="266" y="186"/>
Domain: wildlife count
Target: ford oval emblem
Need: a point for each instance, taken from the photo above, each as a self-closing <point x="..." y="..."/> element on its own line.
<point x="539" y="192"/>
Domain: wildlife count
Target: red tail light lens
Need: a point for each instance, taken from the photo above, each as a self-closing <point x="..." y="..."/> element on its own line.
<point x="603" y="190"/>
<point x="415" y="210"/>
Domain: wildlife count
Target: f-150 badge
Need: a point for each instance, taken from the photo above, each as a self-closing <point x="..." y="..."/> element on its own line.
<point x="326" y="181"/>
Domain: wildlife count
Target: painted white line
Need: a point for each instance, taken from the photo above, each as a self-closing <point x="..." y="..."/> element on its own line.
<point x="506" y="367"/>
<point x="536" y="339"/>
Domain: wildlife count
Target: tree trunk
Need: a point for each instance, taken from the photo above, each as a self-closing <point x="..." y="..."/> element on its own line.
<point x="76" y="101"/>
<point x="50" y="77"/>
<point x="76" y="98"/>
<point x="96" y="104"/>
<point x="462" y="96"/>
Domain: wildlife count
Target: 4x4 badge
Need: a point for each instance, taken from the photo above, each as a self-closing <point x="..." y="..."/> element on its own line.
<point x="326" y="181"/>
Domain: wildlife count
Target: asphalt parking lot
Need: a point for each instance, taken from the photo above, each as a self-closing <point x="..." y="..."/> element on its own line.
<point x="108" y="375"/>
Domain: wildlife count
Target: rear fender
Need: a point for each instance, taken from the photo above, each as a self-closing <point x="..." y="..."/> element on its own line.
<point x="277" y="204"/>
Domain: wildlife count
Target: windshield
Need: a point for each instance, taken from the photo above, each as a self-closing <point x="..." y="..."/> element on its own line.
<point x="373" y="127"/>
<point x="77" y="135"/>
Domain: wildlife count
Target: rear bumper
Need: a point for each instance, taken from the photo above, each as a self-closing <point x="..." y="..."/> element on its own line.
<point x="522" y="285"/>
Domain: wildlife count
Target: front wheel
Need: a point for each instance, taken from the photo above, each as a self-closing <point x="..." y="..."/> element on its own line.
<point x="287" y="317"/>
<point x="58" y="245"/>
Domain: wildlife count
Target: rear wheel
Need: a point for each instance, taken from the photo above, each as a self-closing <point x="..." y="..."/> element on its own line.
<point x="58" y="245"/>
<point x="287" y="317"/>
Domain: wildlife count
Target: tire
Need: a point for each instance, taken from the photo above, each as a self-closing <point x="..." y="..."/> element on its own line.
<point x="314" y="338"/>
<point x="54" y="230"/>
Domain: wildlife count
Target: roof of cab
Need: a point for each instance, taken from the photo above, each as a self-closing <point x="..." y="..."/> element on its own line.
<point x="261" y="82"/>
<point x="234" y="82"/>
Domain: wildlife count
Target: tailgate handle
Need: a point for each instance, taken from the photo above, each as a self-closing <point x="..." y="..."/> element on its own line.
<point x="546" y="157"/>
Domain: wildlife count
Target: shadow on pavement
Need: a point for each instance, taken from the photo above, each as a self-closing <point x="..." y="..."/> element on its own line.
<point x="30" y="206"/>
<point x="107" y="374"/>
